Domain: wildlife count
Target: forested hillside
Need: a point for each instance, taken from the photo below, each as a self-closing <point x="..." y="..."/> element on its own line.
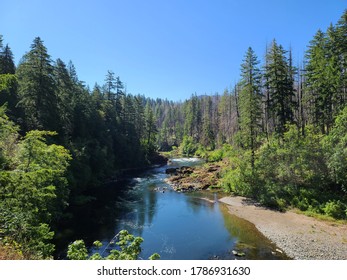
<point x="57" y="139"/>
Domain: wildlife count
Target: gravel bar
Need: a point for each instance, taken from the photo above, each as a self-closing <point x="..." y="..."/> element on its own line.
<point x="299" y="236"/>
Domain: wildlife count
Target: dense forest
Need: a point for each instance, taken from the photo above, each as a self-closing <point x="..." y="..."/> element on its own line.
<point x="58" y="138"/>
<point x="280" y="132"/>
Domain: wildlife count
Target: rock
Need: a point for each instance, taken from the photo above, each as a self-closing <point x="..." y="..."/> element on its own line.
<point x="171" y="171"/>
<point x="186" y="170"/>
<point x="158" y="159"/>
<point x="238" y="254"/>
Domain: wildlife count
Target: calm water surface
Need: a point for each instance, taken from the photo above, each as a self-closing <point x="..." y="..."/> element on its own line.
<point x="176" y="225"/>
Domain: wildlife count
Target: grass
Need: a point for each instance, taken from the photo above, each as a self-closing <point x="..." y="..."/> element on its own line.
<point x="320" y="217"/>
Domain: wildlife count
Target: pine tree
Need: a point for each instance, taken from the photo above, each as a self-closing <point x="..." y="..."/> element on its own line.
<point x="250" y="103"/>
<point x="37" y="89"/>
<point x="110" y="86"/>
<point x="280" y="88"/>
<point x="321" y="82"/>
<point x="6" y="61"/>
<point x="225" y="111"/>
<point x="192" y="122"/>
<point x="151" y="130"/>
<point x="65" y="93"/>
<point x="8" y="82"/>
<point x="341" y="30"/>
<point x="208" y="136"/>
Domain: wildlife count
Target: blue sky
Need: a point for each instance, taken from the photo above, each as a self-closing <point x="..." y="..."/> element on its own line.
<point x="168" y="49"/>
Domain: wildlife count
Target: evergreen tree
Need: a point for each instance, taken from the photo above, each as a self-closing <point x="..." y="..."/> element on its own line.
<point x="341" y="44"/>
<point x="37" y="89"/>
<point x="8" y="83"/>
<point x="280" y="87"/>
<point x="250" y="103"/>
<point x="320" y="82"/>
<point x="192" y="122"/>
<point x="65" y="93"/>
<point x="110" y="86"/>
<point x="208" y="137"/>
<point x="6" y="61"/>
<point x="150" y="131"/>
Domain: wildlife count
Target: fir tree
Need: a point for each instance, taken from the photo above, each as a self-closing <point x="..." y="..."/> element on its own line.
<point x="250" y="102"/>
<point x="37" y="89"/>
<point x="279" y="86"/>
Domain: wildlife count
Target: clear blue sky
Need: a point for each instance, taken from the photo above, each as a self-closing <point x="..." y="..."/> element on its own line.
<point x="167" y="49"/>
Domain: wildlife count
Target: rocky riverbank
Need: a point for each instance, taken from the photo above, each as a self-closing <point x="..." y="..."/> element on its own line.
<point x="184" y="179"/>
<point x="299" y="236"/>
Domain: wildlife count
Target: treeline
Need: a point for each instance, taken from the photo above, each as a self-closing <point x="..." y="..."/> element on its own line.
<point x="57" y="139"/>
<point x="286" y="125"/>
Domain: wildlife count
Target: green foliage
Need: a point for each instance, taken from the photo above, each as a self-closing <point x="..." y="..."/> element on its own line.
<point x="33" y="188"/>
<point x="77" y="251"/>
<point x="129" y="249"/>
<point x="188" y="147"/>
<point x="36" y="90"/>
<point x="215" y="155"/>
<point x="336" y="151"/>
<point x="8" y="139"/>
<point x="291" y="170"/>
<point x="201" y="152"/>
<point x="250" y="103"/>
<point x="335" y="209"/>
<point x="237" y="177"/>
<point x="279" y="85"/>
<point x="296" y="161"/>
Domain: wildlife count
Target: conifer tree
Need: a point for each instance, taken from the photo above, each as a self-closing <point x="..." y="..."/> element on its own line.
<point x="280" y="88"/>
<point x="6" y="61"/>
<point x="250" y="103"/>
<point x="37" y="89"/>
<point x="208" y="137"/>
<point x="320" y="82"/>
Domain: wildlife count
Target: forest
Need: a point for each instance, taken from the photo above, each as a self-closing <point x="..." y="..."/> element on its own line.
<point x="280" y="132"/>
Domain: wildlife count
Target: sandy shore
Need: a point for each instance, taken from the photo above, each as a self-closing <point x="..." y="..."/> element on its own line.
<point x="299" y="236"/>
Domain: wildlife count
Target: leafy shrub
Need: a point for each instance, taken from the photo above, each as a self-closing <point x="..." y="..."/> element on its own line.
<point x="335" y="209"/>
<point x="129" y="249"/>
<point x="336" y="152"/>
<point x="188" y="147"/>
<point x="216" y="155"/>
<point x="201" y="151"/>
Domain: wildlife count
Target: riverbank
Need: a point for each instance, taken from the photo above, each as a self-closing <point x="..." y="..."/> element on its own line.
<point x="299" y="236"/>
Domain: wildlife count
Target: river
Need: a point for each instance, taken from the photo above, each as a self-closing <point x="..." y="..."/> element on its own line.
<point x="178" y="226"/>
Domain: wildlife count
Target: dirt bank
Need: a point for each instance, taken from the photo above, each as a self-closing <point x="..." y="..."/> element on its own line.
<point x="299" y="236"/>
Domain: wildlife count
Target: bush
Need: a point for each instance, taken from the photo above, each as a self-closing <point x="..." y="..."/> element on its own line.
<point x="335" y="209"/>
<point x="188" y="147"/>
<point x="336" y="152"/>
<point x="201" y="152"/>
<point x="129" y="249"/>
<point x="216" y="155"/>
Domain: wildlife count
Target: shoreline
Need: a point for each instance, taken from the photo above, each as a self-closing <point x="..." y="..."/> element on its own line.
<point x="299" y="236"/>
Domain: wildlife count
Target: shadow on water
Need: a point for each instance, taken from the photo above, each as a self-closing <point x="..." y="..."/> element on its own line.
<point x="175" y="225"/>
